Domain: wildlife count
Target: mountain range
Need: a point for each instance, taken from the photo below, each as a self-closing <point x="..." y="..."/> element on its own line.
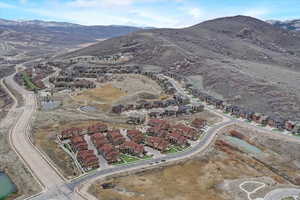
<point x="240" y="59"/>
<point x="293" y="25"/>
<point x="40" y="37"/>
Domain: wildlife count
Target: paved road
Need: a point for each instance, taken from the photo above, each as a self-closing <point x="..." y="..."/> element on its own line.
<point x="55" y="187"/>
<point x="46" y="175"/>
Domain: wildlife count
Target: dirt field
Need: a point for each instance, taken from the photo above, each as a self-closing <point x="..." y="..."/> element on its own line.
<point x="107" y="93"/>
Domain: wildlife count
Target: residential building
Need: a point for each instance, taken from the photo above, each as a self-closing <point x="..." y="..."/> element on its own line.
<point x="136" y="136"/>
<point x="157" y="143"/>
<point x="177" y="139"/>
<point x="78" y="143"/>
<point x="115" y="137"/>
<point x="130" y="147"/>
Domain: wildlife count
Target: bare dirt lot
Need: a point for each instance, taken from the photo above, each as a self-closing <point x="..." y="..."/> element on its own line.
<point x="207" y="177"/>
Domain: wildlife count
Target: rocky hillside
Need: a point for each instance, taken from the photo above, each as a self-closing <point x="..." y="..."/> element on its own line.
<point x="240" y="59"/>
<point x="292" y="25"/>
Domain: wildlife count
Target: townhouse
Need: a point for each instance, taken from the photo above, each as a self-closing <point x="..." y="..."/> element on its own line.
<point x="136" y="136"/>
<point x="130" y="147"/>
<point x="199" y="123"/>
<point x="71" y="132"/>
<point x="157" y="143"/>
<point x="176" y="138"/>
<point x="97" y="128"/>
<point x="188" y="132"/>
<point x="78" y="143"/>
<point x="110" y="154"/>
<point x="88" y="159"/>
<point x="162" y="124"/>
<point x="115" y="137"/>
<point x="98" y="139"/>
<point x="157" y="131"/>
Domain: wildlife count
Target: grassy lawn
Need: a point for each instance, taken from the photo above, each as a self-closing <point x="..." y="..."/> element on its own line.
<point x="119" y="163"/>
<point x="172" y="150"/>
<point x="288" y="198"/>
<point x="147" y="157"/>
<point x="181" y="148"/>
<point x="28" y="82"/>
<point x="129" y="159"/>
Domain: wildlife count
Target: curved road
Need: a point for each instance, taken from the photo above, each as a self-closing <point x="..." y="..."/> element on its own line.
<point x="54" y="185"/>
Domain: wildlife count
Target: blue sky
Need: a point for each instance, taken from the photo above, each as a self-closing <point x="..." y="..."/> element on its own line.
<point x="157" y="13"/>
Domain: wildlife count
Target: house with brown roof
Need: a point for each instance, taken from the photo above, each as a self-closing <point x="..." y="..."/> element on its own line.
<point x="136" y="136"/>
<point x="88" y="159"/>
<point x="109" y="153"/>
<point x="159" y="123"/>
<point x="71" y="132"/>
<point x="188" y="132"/>
<point x="132" y="148"/>
<point x="78" y="143"/>
<point x="199" y="123"/>
<point x="177" y="139"/>
<point x="97" y="128"/>
<point x="98" y="139"/>
<point x="115" y="137"/>
<point x="157" y="143"/>
<point x="157" y="132"/>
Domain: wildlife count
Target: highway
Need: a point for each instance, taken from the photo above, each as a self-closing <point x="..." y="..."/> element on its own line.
<point x="53" y="184"/>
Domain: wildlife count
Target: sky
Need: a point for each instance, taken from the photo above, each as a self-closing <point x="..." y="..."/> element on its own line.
<point x="146" y="13"/>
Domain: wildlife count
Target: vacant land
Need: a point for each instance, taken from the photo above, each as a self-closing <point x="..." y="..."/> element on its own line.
<point x="107" y="93"/>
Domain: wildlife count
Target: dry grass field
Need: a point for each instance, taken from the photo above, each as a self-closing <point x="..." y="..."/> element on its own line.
<point x="107" y="93"/>
<point x="45" y="139"/>
<point x="200" y="179"/>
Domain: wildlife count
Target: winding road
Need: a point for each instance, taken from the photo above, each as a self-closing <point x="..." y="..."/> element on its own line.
<point x="53" y="183"/>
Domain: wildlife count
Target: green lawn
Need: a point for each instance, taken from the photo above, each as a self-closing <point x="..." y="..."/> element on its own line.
<point x="172" y="150"/>
<point x="128" y="158"/>
<point x="119" y="163"/>
<point x="28" y="82"/>
<point x="288" y="198"/>
<point x="147" y="157"/>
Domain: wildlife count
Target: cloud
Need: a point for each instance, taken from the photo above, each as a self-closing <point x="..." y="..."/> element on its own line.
<point x="195" y="12"/>
<point x="104" y="3"/>
<point x="23" y="1"/>
<point x="154" y="13"/>
<point x="5" y="5"/>
<point x="256" y="12"/>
